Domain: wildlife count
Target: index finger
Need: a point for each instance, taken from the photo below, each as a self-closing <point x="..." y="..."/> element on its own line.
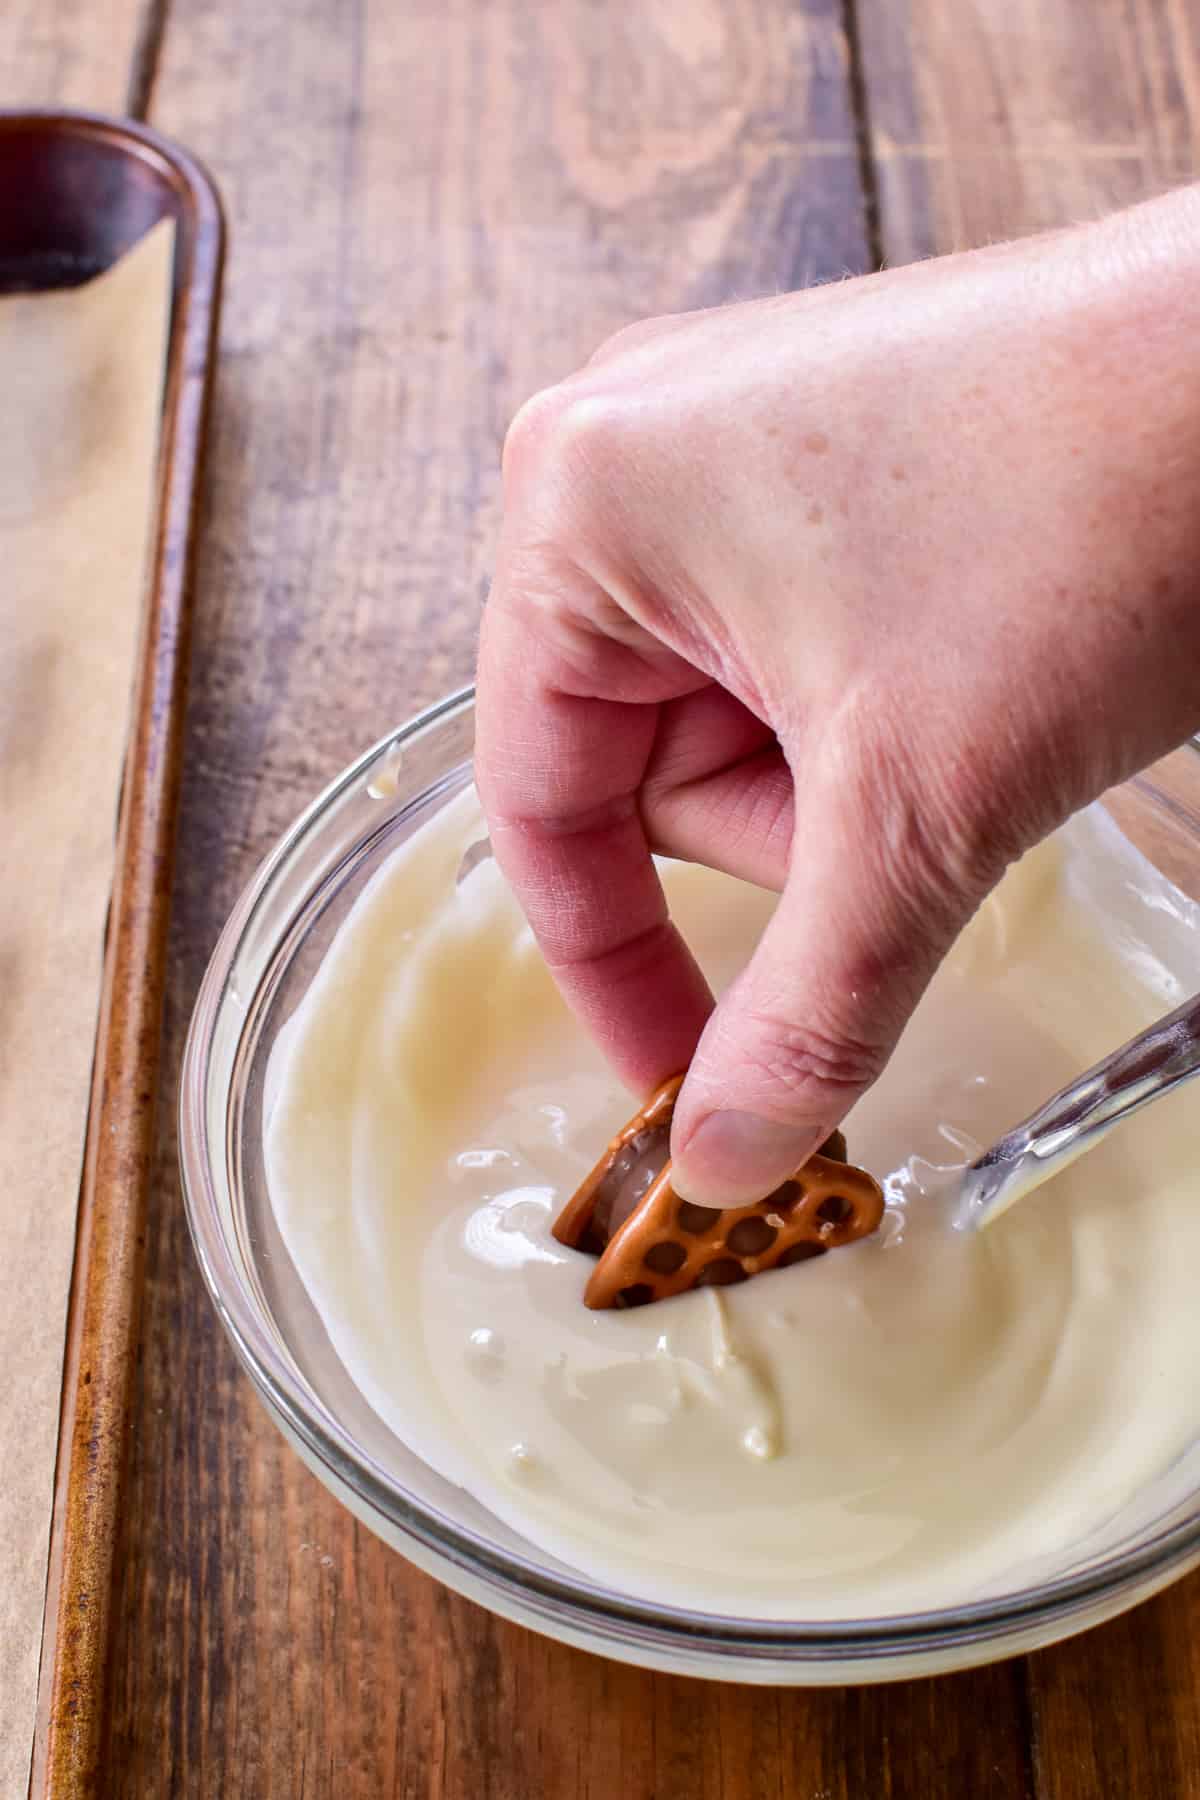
<point x="558" y="773"/>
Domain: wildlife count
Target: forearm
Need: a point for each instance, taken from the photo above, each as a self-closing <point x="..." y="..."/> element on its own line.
<point x="1134" y="382"/>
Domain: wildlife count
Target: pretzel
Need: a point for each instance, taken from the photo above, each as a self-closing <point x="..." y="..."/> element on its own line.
<point x="652" y="1245"/>
<point x="605" y="1199"/>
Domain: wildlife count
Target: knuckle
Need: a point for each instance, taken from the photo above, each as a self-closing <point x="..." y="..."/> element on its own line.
<point x="593" y="432"/>
<point x="531" y="430"/>
<point x="574" y="436"/>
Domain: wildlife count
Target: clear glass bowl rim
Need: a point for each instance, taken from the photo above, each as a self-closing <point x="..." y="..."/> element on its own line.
<point x="576" y="1604"/>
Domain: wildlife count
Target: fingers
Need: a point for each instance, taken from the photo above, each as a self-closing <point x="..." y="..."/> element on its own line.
<point x="738" y="820"/>
<point x="559" y="776"/>
<point x="812" y="1020"/>
<point x="717" y="789"/>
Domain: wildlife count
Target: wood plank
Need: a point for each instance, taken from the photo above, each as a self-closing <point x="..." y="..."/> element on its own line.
<point x="1117" y="1711"/>
<point x="71" y="52"/>
<point x="1008" y="116"/>
<point x="989" y="121"/>
<point x="435" y="209"/>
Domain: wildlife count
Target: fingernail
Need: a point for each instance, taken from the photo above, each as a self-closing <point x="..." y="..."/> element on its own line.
<point x="733" y="1158"/>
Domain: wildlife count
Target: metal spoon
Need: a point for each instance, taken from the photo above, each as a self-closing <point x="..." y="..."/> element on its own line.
<point x="1075" y="1120"/>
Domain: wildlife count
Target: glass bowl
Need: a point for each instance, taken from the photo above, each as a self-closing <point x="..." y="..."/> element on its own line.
<point x="260" y="970"/>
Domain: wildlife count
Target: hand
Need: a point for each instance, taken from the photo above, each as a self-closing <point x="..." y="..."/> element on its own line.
<point x="856" y="593"/>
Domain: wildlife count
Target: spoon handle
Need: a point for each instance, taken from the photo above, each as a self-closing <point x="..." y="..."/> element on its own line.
<point x="1078" y="1116"/>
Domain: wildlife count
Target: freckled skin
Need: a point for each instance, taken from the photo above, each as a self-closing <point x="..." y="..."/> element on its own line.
<point x="998" y="617"/>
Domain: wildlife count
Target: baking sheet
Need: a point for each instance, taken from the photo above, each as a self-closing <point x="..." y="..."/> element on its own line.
<point x="81" y="372"/>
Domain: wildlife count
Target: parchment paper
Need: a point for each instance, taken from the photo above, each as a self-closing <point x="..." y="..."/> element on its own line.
<point x="81" y="376"/>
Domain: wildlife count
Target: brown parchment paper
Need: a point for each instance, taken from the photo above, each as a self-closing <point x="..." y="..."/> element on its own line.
<point x="81" y="376"/>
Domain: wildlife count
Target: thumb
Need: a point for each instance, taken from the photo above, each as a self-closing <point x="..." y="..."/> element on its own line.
<point x="812" y="1020"/>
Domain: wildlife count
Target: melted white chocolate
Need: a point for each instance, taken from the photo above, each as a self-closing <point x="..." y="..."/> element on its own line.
<point x="907" y="1423"/>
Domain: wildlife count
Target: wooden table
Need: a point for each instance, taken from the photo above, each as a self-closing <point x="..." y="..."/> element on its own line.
<point x="436" y="208"/>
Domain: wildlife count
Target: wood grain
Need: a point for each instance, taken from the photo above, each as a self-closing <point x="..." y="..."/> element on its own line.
<point x="76" y="193"/>
<point x="69" y="52"/>
<point x="435" y="210"/>
<point x="988" y="121"/>
<point x="1009" y="116"/>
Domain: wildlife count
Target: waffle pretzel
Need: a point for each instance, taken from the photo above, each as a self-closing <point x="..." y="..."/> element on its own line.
<point x="652" y="1245"/>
